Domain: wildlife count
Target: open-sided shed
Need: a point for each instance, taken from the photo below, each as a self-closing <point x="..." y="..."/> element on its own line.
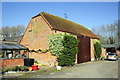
<point x="11" y="54"/>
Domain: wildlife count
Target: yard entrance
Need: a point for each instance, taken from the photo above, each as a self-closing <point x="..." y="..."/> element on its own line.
<point x="83" y="49"/>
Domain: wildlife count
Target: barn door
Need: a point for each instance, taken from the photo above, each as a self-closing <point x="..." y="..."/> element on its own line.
<point x="83" y="49"/>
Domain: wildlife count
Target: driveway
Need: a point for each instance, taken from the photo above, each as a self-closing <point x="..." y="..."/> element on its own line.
<point x="96" y="69"/>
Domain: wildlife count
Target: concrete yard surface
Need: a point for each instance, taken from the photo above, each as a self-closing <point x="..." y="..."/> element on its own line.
<point x="95" y="69"/>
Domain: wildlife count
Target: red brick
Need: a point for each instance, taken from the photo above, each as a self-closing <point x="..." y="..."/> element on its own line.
<point x="11" y="62"/>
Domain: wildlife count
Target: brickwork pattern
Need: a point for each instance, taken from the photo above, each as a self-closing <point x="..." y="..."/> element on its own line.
<point x="36" y="35"/>
<point x="44" y="58"/>
<point x="11" y="62"/>
<point x="103" y="52"/>
<point x="92" y="49"/>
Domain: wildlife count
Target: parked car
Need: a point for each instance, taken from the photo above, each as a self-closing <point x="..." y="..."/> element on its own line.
<point x="112" y="56"/>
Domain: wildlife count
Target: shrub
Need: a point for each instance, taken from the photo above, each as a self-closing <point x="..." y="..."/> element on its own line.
<point x="102" y="58"/>
<point x="97" y="50"/>
<point x="64" y="46"/>
<point x="4" y="70"/>
<point x="35" y="61"/>
<point x="22" y="68"/>
<point x="55" y="44"/>
<point x="11" y="69"/>
<point x="17" y="68"/>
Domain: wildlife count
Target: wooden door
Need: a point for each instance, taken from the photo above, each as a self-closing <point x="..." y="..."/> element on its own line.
<point x="83" y="49"/>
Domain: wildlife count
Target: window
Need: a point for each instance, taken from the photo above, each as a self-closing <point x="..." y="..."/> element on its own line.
<point x="9" y="53"/>
<point x="13" y="54"/>
<point x="30" y="30"/>
<point x="2" y="54"/>
<point x="55" y="31"/>
<point x="36" y="19"/>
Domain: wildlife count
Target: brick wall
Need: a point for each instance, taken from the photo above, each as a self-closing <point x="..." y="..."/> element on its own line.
<point x="118" y="52"/>
<point x="92" y="49"/>
<point x="36" y="37"/>
<point x="11" y="62"/>
<point x="44" y="58"/>
<point x="103" y="52"/>
<point x="36" y="34"/>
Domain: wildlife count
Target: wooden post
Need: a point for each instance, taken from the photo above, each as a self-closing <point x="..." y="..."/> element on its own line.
<point x="5" y="53"/>
<point x="27" y="54"/>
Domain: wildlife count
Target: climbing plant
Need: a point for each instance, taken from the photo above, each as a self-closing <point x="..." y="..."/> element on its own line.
<point x="64" y="46"/>
<point x="97" y="50"/>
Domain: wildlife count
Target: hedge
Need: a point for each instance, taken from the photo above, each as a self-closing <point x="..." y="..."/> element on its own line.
<point x="97" y="50"/>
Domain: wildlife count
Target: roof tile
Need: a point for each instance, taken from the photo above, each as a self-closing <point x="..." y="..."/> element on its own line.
<point x="58" y="23"/>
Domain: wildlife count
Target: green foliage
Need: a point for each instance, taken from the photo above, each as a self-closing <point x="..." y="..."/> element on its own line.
<point x="11" y="68"/>
<point x="55" y="44"/>
<point x="96" y="41"/>
<point x="44" y="50"/>
<point x="64" y="46"/>
<point x="35" y="61"/>
<point x="16" y="68"/>
<point x="12" y="33"/>
<point x="4" y="70"/>
<point x="37" y="50"/>
<point x="102" y="58"/>
<point x="97" y="50"/>
<point x="23" y="67"/>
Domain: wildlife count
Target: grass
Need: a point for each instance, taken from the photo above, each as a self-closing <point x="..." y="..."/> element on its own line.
<point x="44" y="71"/>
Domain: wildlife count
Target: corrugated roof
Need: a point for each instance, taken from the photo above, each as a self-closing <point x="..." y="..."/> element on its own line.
<point x="11" y="45"/>
<point x="58" y="23"/>
<point x="109" y="45"/>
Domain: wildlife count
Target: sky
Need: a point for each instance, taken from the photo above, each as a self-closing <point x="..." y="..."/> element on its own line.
<point x="88" y="14"/>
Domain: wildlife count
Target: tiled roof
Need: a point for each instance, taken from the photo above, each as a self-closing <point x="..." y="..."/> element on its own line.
<point x="58" y="23"/>
<point x="109" y="45"/>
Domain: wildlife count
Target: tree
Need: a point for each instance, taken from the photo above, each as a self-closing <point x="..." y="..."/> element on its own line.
<point x="108" y="34"/>
<point x="6" y="32"/>
<point x="118" y="32"/>
<point x="13" y="33"/>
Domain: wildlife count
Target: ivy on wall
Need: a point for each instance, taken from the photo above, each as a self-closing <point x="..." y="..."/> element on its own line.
<point x="97" y="49"/>
<point x="64" y="46"/>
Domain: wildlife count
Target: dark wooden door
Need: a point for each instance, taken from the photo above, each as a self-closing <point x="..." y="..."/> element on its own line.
<point x="83" y="49"/>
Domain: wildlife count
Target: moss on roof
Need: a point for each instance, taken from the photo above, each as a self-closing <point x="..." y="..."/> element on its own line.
<point x="58" y="23"/>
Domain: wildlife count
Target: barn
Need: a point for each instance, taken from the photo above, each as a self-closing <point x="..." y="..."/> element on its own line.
<point x="44" y="24"/>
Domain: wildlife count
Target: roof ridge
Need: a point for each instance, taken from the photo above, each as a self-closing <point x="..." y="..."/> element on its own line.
<point x="46" y="19"/>
<point x="61" y="24"/>
<point x="62" y="18"/>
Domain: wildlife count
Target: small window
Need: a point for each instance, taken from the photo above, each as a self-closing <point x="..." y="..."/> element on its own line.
<point x="55" y="31"/>
<point x="36" y="19"/>
<point x="30" y="30"/>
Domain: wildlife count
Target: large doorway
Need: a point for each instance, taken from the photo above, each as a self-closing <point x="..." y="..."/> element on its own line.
<point x="83" y="49"/>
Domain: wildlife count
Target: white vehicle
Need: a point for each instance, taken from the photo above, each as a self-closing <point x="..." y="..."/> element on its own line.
<point x="112" y="56"/>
